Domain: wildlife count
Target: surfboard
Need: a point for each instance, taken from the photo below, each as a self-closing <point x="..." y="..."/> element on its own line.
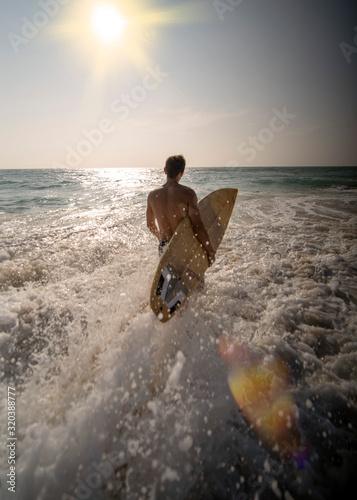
<point x="184" y="261"/>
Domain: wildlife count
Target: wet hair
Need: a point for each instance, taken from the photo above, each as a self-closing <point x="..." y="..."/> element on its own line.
<point x="175" y="165"/>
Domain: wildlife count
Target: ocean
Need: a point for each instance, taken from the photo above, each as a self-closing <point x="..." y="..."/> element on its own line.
<point x="99" y="400"/>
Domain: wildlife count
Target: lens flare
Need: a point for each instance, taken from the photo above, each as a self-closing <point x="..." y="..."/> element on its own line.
<point x="261" y="390"/>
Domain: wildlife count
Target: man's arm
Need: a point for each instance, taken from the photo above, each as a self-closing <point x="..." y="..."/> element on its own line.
<point x="150" y="220"/>
<point x="199" y="229"/>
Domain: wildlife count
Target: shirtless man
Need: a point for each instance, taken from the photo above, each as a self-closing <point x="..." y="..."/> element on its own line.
<point x="170" y="203"/>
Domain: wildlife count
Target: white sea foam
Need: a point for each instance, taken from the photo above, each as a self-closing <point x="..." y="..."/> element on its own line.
<point x="113" y="404"/>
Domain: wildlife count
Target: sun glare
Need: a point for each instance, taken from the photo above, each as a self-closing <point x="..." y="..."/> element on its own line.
<point x="107" y="34"/>
<point x="107" y="22"/>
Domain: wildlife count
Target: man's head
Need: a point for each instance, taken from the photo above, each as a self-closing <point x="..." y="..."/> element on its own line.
<point x="174" y="166"/>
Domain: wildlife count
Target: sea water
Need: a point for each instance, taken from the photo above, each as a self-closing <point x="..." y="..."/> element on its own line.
<point x="109" y="402"/>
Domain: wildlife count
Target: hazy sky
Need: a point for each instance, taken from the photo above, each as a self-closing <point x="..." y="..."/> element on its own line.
<point x="231" y="82"/>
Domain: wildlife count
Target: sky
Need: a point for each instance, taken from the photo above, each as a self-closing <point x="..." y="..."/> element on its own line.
<point x="119" y="83"/>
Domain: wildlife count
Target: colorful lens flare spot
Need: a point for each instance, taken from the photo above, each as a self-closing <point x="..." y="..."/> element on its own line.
<point x="261" y="390"/>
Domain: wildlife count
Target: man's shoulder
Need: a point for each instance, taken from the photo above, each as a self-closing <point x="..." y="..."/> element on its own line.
<point x="155" y="191"/>
<point x="188" y="191"/>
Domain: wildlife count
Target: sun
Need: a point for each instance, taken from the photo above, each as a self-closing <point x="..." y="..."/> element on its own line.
<point x="109" y="34"/>
<point x="107" y="22"/>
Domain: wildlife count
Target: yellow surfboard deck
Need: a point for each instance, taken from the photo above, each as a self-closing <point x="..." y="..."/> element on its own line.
<point x="184" y="262"/>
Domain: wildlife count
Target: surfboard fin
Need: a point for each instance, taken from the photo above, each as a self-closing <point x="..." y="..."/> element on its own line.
<point x="171" y="288"/>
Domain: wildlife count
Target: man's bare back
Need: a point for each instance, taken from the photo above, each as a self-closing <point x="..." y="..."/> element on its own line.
<point x="168" y="205"/>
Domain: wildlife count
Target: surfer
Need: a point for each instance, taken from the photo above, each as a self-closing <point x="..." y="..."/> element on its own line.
<point x="170" y="203"/>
